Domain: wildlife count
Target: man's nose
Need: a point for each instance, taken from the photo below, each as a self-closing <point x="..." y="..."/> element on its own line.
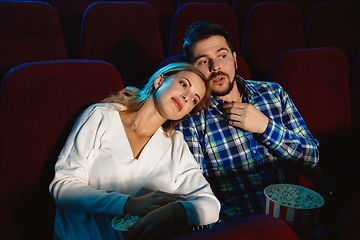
<point x="214" y="66"/>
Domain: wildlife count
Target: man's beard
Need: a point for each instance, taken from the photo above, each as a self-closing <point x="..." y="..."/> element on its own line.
<point x="223" y="92"/>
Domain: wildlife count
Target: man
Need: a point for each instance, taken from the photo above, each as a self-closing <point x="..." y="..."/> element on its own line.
<point x="252" y="134"/>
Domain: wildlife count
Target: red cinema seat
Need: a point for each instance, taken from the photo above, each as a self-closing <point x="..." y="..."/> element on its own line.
<point x="126" y="35"/>
<point x="39" y="102"/>
<point x="242" y="8"/>
<point x="218" y="13"/>
<point x="314" y="77"/>
<point x="305" y="7"/>
<point x="256" y="227"/>
<point x="70" y="14"/>
<point x="355" y="97"/>
<point x="335" y="24"/>
<point x="270" y="29"/>
<point x="29" y="31"/>
<point x="182" y="2"/>
<point x="165" y="12"/>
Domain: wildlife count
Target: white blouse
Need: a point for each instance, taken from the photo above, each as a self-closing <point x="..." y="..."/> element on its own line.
<point x="96" y="172"/>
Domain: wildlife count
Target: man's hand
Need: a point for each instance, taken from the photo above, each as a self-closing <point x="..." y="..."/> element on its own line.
<point x="150" y="202"/>
<point x="159" y="224"/>
<point x="246" y="116"/>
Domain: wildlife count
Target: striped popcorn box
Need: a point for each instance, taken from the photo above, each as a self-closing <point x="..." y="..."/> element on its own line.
<point x="293" y="204"/>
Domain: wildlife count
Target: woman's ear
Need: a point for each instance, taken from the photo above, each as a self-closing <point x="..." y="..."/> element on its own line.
<point x="158" y="81"/>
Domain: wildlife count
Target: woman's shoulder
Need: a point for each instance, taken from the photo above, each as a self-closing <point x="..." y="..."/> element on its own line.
<point x="177" y="136"/>
<point x="100" y="111"/>
<point x="104" y="107"/>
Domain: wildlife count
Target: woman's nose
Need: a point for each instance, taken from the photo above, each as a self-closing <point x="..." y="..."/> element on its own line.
<point x="183" y="96"/>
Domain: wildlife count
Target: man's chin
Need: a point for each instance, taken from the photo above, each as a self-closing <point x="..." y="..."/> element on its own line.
<point x="219" y="92"/>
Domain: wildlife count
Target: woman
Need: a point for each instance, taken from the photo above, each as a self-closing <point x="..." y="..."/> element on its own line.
<point x="123" y="157"/>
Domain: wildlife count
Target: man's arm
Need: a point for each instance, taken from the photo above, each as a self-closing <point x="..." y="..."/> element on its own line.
<point x="287" y="135"/>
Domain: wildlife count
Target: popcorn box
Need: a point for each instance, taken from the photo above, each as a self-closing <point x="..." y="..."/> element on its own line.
<point x="290" y="207"/>
<point x="121" y="223"/>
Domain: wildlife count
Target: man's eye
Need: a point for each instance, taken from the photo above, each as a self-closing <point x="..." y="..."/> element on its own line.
<point x="202" y="62"/>
<point x="223" y="56"/>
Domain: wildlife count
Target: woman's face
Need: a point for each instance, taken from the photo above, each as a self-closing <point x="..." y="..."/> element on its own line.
<point x="178" y="94"/>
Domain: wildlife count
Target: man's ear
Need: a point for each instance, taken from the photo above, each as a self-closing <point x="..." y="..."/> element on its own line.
<point x="234" y="54"/>
<point x="158" y="81"/>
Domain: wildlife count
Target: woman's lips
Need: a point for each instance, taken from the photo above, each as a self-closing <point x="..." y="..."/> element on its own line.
<point x="177" y="103"/>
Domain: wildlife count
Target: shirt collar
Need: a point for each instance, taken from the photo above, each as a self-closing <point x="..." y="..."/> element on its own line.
<point x="250" y="91"/>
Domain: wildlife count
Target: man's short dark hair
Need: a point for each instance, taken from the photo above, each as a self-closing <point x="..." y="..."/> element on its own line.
<point x="199" y="31"/>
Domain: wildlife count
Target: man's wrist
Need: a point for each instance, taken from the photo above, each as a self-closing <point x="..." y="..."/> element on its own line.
<point x="128" y="205"/>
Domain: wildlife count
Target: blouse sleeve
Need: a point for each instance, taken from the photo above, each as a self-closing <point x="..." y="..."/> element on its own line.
<point x="70" y="186"/>
<point x="202" y="206"/>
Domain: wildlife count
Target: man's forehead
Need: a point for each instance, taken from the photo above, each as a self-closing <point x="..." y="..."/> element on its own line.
<point x="210" y="45"/>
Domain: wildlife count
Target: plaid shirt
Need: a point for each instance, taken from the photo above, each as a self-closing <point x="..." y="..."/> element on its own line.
<point x="240" y="164"/>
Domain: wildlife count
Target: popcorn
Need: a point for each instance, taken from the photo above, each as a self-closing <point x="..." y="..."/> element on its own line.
<point x="126" y="221"/>
<point x="293" y="197"/>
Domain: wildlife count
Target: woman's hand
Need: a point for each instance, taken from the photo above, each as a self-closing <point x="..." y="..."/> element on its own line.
<point x="160" y="223"/>
<point x="150" y="202"/>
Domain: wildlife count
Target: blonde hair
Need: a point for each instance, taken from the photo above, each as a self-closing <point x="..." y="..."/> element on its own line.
<point x="133" y="98"/>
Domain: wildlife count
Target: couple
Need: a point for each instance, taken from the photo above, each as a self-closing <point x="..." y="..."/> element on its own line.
<point x="123" y="155"/>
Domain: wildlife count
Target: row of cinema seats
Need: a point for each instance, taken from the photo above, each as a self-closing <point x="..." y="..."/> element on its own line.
<point x="36" y="116"/>
<point x="39" y="102"/>
<point x="129" y="35"/>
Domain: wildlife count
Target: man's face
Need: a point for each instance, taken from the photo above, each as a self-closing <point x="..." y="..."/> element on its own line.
<point x="215" y="60"/>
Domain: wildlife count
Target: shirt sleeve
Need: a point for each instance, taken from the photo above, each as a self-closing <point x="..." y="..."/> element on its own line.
<point x="289" y="136"/>
<point x="192" y="130"/>
<point x="193" y="133"/>
<point x="202" y="207"/>
<point x="70" y="186"/>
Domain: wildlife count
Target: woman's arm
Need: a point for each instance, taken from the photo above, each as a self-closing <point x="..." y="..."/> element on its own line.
<point x="202" y="207"/>
<point x="70" y="186"/>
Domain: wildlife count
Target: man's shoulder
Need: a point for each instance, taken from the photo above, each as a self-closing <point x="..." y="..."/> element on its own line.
<point x="257" y="83"/>
<point x="262" y="86"/>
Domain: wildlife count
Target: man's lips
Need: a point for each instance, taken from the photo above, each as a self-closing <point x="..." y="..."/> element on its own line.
<point x="177" y="103"/>
<point x="218" y="79"/>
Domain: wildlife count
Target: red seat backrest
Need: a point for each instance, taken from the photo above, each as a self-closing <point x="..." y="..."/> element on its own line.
<point x="39" y="101"/>
<point x="355" y="97"/>
<point x="221" y="14"/>
<point x="335" y="24"/>
<point x="317" y="81"/>
<point x="270" y="29"/>
<point x="126" y="35"/>
<point x="29" y="31"/>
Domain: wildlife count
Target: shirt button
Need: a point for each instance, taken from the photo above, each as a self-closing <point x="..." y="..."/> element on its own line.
<point x="268" y="143"/>
<point x="254" y="151"/>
